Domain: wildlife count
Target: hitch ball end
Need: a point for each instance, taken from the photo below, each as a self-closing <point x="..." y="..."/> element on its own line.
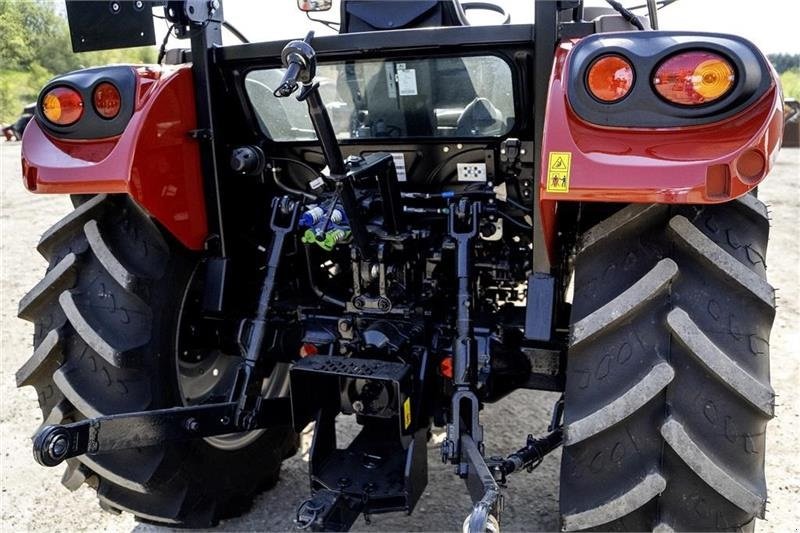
<point x="51" y="445"/>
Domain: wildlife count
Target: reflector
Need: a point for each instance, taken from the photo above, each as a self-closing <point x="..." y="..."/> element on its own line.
<point x="610" y="78"/>
<point x="62" y="106"/>
<point x="107" y="100"/>
<point x="694" y="78"/>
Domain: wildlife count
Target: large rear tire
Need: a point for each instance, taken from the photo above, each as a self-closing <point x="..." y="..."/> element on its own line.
<point x="667" y="392"/>
<point x="105" y="324"/>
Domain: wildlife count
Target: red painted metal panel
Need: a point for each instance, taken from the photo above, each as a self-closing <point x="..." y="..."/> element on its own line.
<point x="154" y="160"/>
<point x="696" y="165"/>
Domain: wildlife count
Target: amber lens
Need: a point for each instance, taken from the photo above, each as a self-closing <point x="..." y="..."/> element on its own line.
<point x="610" y="78"/>
<point x="107" y="100"/>
<point x="713" y="78"/>
<point x="694" y="78"/>
<point x="62" y="106"/>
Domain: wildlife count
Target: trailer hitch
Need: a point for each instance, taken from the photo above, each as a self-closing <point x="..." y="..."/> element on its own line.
<point x="53" y="444"/>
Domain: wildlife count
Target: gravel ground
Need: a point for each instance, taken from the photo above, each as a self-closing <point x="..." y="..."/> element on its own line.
<point x="32" y="499"/>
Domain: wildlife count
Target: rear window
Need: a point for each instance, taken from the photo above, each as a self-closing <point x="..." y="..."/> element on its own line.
<point x="435" y="97"/>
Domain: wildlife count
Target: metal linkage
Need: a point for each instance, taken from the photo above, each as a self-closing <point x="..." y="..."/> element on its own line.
<point x="528" y="457"/>
<point x="483" y="489"/>
<point x="247" y="387"/>
<point x="53" y="444"/>
<point x="247" y="409"/>
<point x="463" y="228"/>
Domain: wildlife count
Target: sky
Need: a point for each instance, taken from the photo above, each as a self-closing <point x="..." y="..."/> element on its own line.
<point x="774" y="26"/>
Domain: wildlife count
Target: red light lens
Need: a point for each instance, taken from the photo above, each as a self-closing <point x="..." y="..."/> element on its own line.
<point x="694" y="78"/>
<point x="610" y="78"/>
<point x="107" y="100"/>
<point x="62" y="106"/>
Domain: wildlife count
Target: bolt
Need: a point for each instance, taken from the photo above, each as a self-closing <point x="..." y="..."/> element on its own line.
<point x="344" y="326"/>
<point x="359" y="303"/>
<point x="343" y="482"/>
<point x="58" y="447"/>
<point x="114" y="6"/>
<point x="358" y="406"/>
<point x="138" y="4"/>
<point x="384" y="304"/>
<point x="445" y="149"/>
<point x="192" y="425"/>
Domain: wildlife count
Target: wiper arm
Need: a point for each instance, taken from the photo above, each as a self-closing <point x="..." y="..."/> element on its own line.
<point x="626" y="14"/>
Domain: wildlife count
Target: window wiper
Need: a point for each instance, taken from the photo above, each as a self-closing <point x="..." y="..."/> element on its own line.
<point x="626" y="14"/>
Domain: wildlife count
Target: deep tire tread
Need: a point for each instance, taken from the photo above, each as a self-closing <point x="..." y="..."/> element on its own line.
<point x="60" y="277"/>
<point x="708" y="469"/>
<point x="98" y="350"/>
<point x="47" y="357"/>
<point x="70" y="224"/>
<point x="700" y="426"/>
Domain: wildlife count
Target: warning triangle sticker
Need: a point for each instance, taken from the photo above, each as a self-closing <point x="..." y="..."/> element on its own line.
<point x="559" y="163"/>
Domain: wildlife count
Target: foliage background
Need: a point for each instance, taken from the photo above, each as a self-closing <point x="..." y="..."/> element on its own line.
<point x="35" y="46"/>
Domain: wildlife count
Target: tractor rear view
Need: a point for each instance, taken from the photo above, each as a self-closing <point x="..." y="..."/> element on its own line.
<point x="403" y="225"/>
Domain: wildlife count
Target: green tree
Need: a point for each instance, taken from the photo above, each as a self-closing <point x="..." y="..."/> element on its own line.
<point x="790" y="81"/>
<point x="784" y="62"/>
<point x="35" y="46"/>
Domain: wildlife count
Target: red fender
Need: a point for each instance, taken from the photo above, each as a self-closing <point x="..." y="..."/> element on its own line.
<point x="154" y="160"/>
<point x="705" y="164"/>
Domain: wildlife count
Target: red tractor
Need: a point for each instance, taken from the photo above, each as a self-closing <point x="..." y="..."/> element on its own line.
<point x="403" y="225"/>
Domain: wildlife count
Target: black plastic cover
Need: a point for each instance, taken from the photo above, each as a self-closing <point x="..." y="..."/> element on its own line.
<point x="104" y="25"/>
<point x="643" y="107"/>
<point x="91" y="125"/>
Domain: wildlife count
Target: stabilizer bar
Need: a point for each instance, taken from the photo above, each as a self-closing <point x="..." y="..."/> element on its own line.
<point x="54" y="444"/>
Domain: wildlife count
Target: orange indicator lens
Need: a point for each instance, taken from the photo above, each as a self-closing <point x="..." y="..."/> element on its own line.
<point x="62" y="106"/>
<point x="107" y="100"/>
<point x="610" y="78"/>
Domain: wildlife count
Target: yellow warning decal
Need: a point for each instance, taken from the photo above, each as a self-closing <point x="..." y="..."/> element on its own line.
<point x="558" y="168"/>
<point x="406" y="413"/>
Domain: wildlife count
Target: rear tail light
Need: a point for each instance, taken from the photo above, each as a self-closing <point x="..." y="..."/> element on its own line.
<point x="694" y="78"/>
<point x="107" y="100"/>
<point x="610" y="78"/>
<point x="62" y="106"/>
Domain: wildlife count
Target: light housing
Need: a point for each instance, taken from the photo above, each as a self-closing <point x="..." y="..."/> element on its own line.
<point x="107" y="100"/>
<point x="610" y="78"/>
<point x="694" y="78"/>
<point x="62" y="106"/>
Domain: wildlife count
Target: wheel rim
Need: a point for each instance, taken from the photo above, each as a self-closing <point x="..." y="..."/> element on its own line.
<point x="205" y="374"/>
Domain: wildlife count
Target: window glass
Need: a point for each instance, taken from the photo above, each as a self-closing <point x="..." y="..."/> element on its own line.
<point x="436" y="97"/>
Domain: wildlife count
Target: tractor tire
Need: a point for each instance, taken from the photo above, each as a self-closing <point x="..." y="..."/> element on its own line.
<point x="105" y="320"/>
<point x="667" y="389"/>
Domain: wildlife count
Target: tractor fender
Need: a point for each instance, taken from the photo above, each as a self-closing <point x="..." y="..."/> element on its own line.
<point x="154" y="159"/>
<point x="708" y="163"/>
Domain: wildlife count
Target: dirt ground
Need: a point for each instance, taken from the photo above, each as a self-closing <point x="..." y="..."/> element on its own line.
<point x="32" y="499"/>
